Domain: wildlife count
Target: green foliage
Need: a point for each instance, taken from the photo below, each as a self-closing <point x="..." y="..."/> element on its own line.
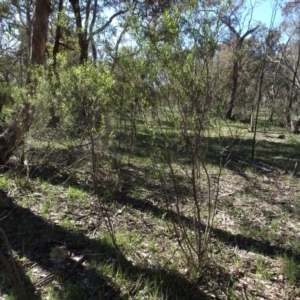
<point x="291" y="270"/>
<point x="3" y="183"/>
<point x="261" y="268"/>
<point x="80" y="95"/>
<point x="141" y="126"/>
<point x="75" y="193"/>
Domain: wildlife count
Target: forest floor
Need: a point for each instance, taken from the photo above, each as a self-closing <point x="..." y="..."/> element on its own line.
<point x="67" y="242"/>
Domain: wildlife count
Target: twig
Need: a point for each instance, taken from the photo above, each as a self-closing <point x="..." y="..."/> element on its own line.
<point x="174" y="252"/>
<point x="13" y="271"/>
<point x="8" y="214"/>
<point x="244" y="292"/>
<point x="44" y="280"/>
<point x="77" y="263"/>
<point x="295" y="169"/>
<point x="94" y="291"/>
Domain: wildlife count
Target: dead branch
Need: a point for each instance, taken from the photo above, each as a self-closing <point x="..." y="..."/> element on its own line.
<point x="275" y="135"/>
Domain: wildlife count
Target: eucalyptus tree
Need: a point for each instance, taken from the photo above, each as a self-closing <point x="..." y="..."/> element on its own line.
<point x="235" y="21"/>
<point x="20" y="45"/>
<point x="290" y="56"/>
<point x="16" y="29"/>
<point x="7" y="52"/>
<point x="91" y="20"/>
<point x="40" y="31"/>
<point x="273" y="83"/>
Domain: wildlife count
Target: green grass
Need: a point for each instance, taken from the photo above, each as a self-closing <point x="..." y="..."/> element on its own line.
<point x="291" y="270"/>
<point x="3" y="183"/>
<point x="77" y="194"/>
<point x="262" y="268"/>
<point x="128" y="239"/>
<point x="45" y="210"/>
<point x="253" y="232"/>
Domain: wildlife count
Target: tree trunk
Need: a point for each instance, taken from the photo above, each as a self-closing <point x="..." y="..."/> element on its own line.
<point x="294" y="126"/>
<point x="252" y="121"/>
<point x="270" y="119"/>
<point x="291" y="94"/>
<point x="259" y="96"/>
<point x="82" y="32"/>
<point x="236" y="60"/>
<point x="235" y="76"/>
<point x="40" y="31"/>
<point x="58" y="33"/>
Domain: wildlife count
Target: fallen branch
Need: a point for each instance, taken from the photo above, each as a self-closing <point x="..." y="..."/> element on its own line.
<point x="275" y="135"/>
<point x="295" y="169"/>
<point x="250" y="163"/>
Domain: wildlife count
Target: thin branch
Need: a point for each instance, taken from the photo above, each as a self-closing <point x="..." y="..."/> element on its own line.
<point x="109" y="22"/>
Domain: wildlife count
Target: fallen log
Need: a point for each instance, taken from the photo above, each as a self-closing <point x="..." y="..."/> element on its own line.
<point x="275" y="135"/>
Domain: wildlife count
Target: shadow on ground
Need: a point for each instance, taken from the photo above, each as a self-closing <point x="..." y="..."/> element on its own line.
<point x="34" y="238"/>
<point x="256" y="245"/>
<point x="267" y="151"/>
<point x="275" y="154"/>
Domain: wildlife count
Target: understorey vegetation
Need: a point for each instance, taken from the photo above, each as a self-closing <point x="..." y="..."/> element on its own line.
<point x="148" y="150"/>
